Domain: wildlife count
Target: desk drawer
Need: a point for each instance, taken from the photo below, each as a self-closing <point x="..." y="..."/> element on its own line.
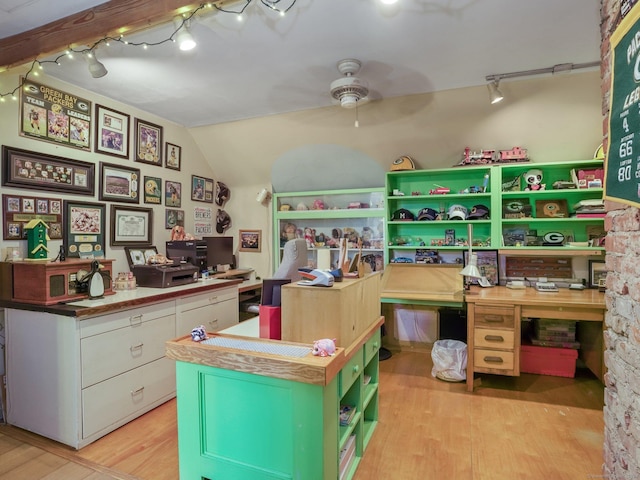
<point x="487" y="360"/>
<point x="495" y="316"/>
<point x="350" y="372"/>
<point x="494" y="338"/>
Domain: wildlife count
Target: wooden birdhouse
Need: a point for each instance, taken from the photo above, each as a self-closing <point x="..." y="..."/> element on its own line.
<point x="37" y="238"/>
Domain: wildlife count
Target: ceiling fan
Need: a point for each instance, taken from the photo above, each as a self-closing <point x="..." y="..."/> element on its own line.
<point x="349" y="90"/>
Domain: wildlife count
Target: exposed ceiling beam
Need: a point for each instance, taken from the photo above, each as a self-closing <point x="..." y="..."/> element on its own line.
<point x="87" y="27"/>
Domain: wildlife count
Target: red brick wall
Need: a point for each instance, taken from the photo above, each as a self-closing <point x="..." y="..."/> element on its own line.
<point x="622" y="321"/>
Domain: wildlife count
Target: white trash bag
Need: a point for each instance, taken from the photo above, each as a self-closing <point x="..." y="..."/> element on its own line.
<point x="449" y="360"/>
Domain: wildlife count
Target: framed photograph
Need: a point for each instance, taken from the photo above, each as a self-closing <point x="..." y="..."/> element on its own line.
<point x="148" y="143"/>
<point x="201" y="189"/>
<point x="17" y="211"/>
<point x="597" y="274"/>
<point x="84" y="229"/>
<point x="552" y="208"/>
<point x="173" y="218"/>
<point x="118" y="183"/>
<point x="112" y="132"/>
<point x="172" y="156"/>
<point x="250" y="240"/>
<point x="139" y="256"/>
<point x="487" y="264"/>
<point x="131" y="226"/>
<point x="37" y="171"/>
<point x="172" y="194"/>
<point x="153" y="190"/>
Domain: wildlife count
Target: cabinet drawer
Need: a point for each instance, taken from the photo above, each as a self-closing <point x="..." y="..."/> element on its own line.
<point x="113" y="321"/>
<point x="495" y="316"/>
<point x="372" y="346"/>
<point x="494" y="338"/>
<point x="492" y="359"/>
<point x="351" y="372"/>
<point x="111" y="353"/>
<point x="214" y="317"/>
<point x="111" y="401"/>
<point x="193" y="302"/>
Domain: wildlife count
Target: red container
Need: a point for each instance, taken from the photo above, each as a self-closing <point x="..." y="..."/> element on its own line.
<point x="559" y="362"/>
<point x="270" y="322"/>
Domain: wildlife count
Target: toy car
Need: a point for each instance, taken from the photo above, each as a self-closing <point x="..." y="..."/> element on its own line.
<point x="439" y="191"/>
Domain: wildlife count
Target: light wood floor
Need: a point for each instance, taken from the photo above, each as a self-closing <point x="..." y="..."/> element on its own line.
<point x="531" y="427"/>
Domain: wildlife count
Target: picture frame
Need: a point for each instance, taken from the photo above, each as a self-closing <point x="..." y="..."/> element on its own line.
<point x="84" y="229"/>
<point x="16" y="213"/>
<point x="250" y="241"/>
<point x="148" y="142"/>
<point x="111" y="132"/>
<point x="131" y="226"/>
<point x="552" y="208"/>
<point x="173" y="218"/>
<point x="172" y="194"/>
<point x="39" y="171"/>
<point x="139" y="256"/>
<point x="172" y="156"/>
<point x="153" y="190"/>
<point x="488" y="264"/>
<point x="119" y="183"/>
<point x="597" y="274"/>
<point x="201" y="189"/>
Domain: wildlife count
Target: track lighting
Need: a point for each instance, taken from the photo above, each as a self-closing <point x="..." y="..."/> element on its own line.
<point x="561" y="68"/>
<point x="96" y="68"/>
<point x="183" y="36"/>
<point x="495" y="95"/>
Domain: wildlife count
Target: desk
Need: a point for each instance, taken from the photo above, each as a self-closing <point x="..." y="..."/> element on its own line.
<point x="496" y="313"/>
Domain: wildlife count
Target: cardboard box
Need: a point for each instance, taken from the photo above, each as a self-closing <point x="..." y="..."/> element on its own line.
<point x="558" y="362"/>
<point x="341" y="312"/>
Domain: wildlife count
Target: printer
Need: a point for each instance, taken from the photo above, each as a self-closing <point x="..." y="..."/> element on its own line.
<point x="157" y="275"/>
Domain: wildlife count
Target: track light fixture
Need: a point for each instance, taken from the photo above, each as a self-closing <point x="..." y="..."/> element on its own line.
<point x="96" y="68"/>
<point x="495" y="95"/>
<point x="556" y="69"/>
<point x="183" y="36"/>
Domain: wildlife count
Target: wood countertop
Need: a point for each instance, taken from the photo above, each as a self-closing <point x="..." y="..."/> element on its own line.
<point x="308" y="369"/>
<point x="122" y="299"/>
<point x="500" y="295"/>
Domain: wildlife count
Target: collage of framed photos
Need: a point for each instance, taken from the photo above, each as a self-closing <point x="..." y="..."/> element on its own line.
<point x="81" y="225"/>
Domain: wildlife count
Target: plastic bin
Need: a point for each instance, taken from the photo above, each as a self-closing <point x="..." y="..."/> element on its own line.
<point x="558" y="362"/>
<point x="449" y="360"/>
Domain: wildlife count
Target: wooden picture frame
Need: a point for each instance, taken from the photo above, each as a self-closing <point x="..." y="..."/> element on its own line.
<point x="172" y="194"/>
<point x="201" y="189"/>
<point x="488" y="264"/>
<point x="173" y="218"/>
<point x="84" y="229"/>
<point x="38" y="171"/>
<point x="172" y="156"/>
<point x="16" y="214"/>
<point x="250" y="241"/>
<point x="148" y="143"/>
<point x="112" y="132"/>
<point x="139" y="256"/>
<point x="119" y="183"/>
<point x="597" y="273"/>
<point x="153" y="190"/>
<point x="131" y="226"/>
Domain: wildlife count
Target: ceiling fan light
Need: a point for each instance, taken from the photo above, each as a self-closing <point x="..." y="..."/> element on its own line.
<point x="349" y="101"/>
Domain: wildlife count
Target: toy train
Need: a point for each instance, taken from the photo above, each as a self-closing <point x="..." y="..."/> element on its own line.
<point x="486" y="157"/>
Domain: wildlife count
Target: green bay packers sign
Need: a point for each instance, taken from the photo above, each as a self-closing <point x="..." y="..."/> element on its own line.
<point x="54" y="116"/>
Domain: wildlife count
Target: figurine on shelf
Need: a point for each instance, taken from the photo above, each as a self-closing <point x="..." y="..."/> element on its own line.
<point x="309" y="237"/>
<point x="325" y="347"/>
<point x="533" y="179"/>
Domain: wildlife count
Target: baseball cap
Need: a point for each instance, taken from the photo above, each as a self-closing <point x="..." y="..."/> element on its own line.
<point x="427" y="214"/>
<point x="405" y="162"/>
<point x="223" y="221"/>
<point x="479" y="212"/>
<point x="402" y="214"/>
<point x="457" y="212"/>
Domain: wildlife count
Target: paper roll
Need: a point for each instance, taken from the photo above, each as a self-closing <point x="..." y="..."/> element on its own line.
<point x="324" y="259"/>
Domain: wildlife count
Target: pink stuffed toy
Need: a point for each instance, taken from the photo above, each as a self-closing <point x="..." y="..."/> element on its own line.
<point x="324" y="348"/>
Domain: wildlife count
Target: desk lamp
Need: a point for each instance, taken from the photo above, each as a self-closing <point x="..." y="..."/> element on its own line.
<point x="471" y="270"/>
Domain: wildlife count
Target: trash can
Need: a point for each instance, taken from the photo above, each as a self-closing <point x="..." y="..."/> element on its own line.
<point x="449" y="360"/>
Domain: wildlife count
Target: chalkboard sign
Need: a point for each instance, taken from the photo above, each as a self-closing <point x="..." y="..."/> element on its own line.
<point x="623" y="159"/>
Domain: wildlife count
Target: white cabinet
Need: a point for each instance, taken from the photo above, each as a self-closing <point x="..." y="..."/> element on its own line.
<point x="75" y="381"/>
<point x="216" y="310"/>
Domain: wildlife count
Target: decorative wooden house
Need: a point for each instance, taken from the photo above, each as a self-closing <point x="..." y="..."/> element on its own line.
<point x="37" y="238"/>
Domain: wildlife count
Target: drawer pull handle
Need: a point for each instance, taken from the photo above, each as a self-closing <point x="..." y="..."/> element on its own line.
<point x="137" y="391"/>
<point x="214" y="322"/>
<point x="213" y="299"/>
<point x="375" y="345"/>
<point x="492" y="359"/>
<point x="136" y="346"/>
<point x="356" y="368"/>
<point x="493" y="318"/>
<point x="494" y="338"/>
<point x="136" y="319"/>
